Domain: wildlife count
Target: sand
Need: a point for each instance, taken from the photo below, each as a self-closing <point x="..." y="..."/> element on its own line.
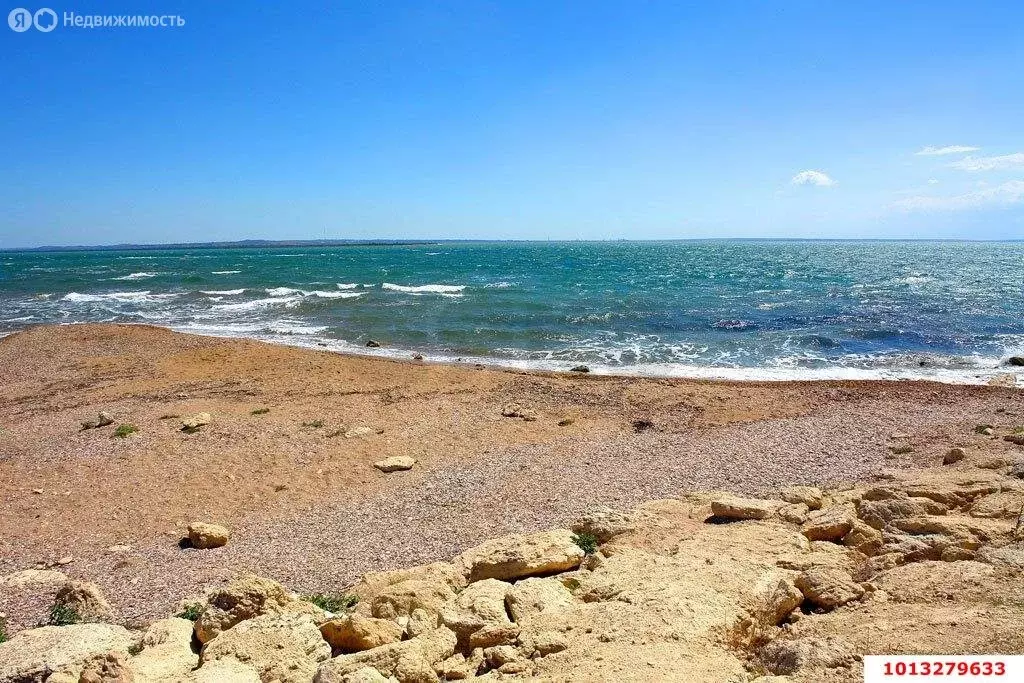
<point x="304" y="502"/>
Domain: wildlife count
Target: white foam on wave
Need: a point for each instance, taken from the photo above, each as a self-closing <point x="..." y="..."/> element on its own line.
<point x="289" y="327"/>
<point x="446" y="290"/>
<point x="321" y="294"/>
<point x="222" y="292"/>
<point x="225" y="272"/>
<point x="348" y="285"/>
<point x="122" y="297"/>
<point x="499" y="285"/>
<point x="136" y="276"/>
<point x="281" y="291"/>
<point x="257" y="304"/>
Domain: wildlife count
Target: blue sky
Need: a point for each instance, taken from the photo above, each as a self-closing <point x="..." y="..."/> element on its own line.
<point x="530" y="120"/>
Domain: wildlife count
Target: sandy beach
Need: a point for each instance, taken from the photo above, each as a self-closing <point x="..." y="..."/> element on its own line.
<point x="307" y="507"/>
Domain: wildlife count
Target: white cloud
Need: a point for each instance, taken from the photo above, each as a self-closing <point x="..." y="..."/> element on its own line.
<point x="940" y="151"/>
<point x="933" y="181"/>
<point x="1000" y="163"/>
<point x="812" y="178"/>
<point x="1011" y="192"/>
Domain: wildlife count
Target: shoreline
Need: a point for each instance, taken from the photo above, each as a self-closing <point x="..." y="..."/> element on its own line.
<point x="275" y="463"/>
<point x="999" y="375"/>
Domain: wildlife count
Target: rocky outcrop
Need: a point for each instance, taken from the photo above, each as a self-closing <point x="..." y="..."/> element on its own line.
<point x="410" y="661"/>
<point x="522" y="555"/>
<point x="241" y="599"/>
<point x="286" y="648"/>
<point x="355" y="633"/>
<point x="34" y="654"/>
<point x="84" y="601"/>
<point x="735" y="508"/>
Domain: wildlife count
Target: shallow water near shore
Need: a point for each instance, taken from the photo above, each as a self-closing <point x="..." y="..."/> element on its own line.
<point x="951" y="311"/>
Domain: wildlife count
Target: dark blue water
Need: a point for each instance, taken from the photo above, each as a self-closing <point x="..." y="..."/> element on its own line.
<point x="758" y="309"/>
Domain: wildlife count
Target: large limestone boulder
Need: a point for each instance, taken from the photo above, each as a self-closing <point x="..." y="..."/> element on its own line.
<point x="775" y="598"/>
<point x="373" y="583"/>
<point x="478" y="616"/>
<point x="285" y="648"/>
<point x="1001" y="505"/>
<point x="522" y="555"/>
<point x="736" y="508"/>
<point x="828" y="587"/>
<point x="241" y="599"/>
<point x="223" y="671"/>
<point x="204" y="536"/>
<point x="878" y="513"/>
<point x="829" y="525"/>
<point x="534" y="596"/>
<point x="355" y="633"/>
<point x="810" y="496"/>
<point x="402" y="598"/>
<point x="410" y="661"/>
<point x="32" y="654"/>
<point x="85" y="599"/>
<point x="604" y="523"/>
<point x="166" y="655"/>
<point x="863" y="538"/>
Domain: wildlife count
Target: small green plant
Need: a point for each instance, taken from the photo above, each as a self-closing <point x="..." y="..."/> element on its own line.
<point x="586" y="542"/>
<point x="62" y="615"/>
<point x="332" y="602"/>
<point x="124" y="431"/>
<point x="191" y="611"/>
<point x="3" y="630"/>
<point x="982" y="429"/>
<point x="315" y="424"/>
<point x="260" y="411"/>
<point x="571" y="583"/>
<point x="135" y="649"/>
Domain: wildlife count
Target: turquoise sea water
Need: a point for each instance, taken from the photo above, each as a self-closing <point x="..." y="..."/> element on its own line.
<point x="747" y="309"/>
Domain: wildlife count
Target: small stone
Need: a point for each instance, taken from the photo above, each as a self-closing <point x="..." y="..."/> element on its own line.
<point x="417" y="356"/>
<point x="808" y="495"/>
<point x="1015" y="361"/>
<point x="993" y="463"/>
<point x="84" y="599"/>
<point x="828" y="588"/>
<point x="580" y="368"/>
<point x="372" y="344"/>
<point x="829" y="525"/>
<point x="516" y="410"/>
<point x="395" y="463"/>
<point x="953" y="455"/>
<point x="67" y="559"/>
<point x="190" y="424"/>
<point x="38" y="492"/>
<point x="358" y="432"/>
<point x="205" y="536"/>
<point x="105" y="419"/>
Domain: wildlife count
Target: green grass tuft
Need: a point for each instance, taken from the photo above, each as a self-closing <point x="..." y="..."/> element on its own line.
<point x="260" y="411"/>
<point x="124" y="431"/>
<point x="3" y="631"/>
<point x="191" y="611"/>
<point x="332" y="602"/>
<point x="586" y="542"/>
<point x="62" y="615"/>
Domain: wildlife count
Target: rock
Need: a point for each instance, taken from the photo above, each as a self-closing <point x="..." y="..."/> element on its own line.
<point x="104" y="419"/>
<point x="580" y="368"/>
<point x="777" y="598"/>
<point x="417" y="356"/>
<point x="373" y="583"/>
<point x="395" y="463"/>
<point x="31" y="655"/>
<point x="534" y="596"/>
<point x="954" y="455"/>
<point x="827" y="587"/>
<point x="203" y="536"/>
<point x="500" y="655"/>
<point x="355" y="633"/>
<point x="478" y="616"/>
<point x="829" y="525"/>
<point x="85" y="599"/>
<point x="808" y="495"/>
<point x="1015" y="361"/>
<point x="286" y="648"/>
<point x="1017" y="471"/>
<point x="402" y="598"/>
<point x="368" y="675"/>
<point x="604" y="523"/>
<point x="166" y="655"/>
<point x="1003" y="505"/>
<point x="191" y="424"/>
<point x="410" y="661"/>
<point x="863" y="538"/>
<point x="491" y="635"/>
<point x="39" y="579"/>
<point x="521" y="555"/>
<point x="734" y="507"/>
<point x="222" y="671"/>
<point x="789" y="656"/>
<point x="878" y="513"/>
<point x="543" y="643"/>
<point x="244" y="598"/>
<point x="1009" y="555"/>
<point x="358" y="432"/>
<point x="372" y="344"/>
<point x="794" y="513"/>
<point x="516" y="410"/>
<point x="992" y="463"/>
<point x="111" y="667"/>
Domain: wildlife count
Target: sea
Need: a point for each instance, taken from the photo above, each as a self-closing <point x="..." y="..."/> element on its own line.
<point x="734" y="309"/>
